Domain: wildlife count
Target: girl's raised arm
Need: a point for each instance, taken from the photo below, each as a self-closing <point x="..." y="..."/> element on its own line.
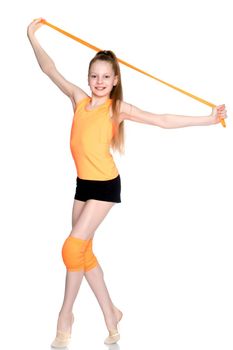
<point x="47" y="65"/>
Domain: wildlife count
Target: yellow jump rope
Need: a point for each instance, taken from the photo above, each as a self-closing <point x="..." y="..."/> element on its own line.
<point x="133" y="67"/>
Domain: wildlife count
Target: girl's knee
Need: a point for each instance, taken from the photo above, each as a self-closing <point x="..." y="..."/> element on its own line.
<point x="73" y="251"/>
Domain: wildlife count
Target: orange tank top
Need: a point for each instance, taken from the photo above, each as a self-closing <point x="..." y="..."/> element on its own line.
<point x="91" y="134"/>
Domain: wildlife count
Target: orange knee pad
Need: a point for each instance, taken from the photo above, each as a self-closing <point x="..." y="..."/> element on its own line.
<point x="73" y="251"/>
<point x="77" y="254"/>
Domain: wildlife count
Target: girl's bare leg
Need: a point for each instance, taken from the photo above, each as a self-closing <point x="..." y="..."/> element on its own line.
<point x="112" y="314"/>
<point x="91" y="214"/>
<point x="95" y="279"/>
<point x="72" y="285"/>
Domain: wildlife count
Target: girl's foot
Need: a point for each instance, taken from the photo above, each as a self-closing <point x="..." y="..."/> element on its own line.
<point x="111" y="323"/>
<point x="64" y="326"/>
<point x="112" y="338"/>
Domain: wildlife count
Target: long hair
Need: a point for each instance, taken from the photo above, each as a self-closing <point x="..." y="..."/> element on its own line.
<point x="117" y="142"/>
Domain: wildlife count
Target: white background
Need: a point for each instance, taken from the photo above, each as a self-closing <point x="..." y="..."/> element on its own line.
<point x="166" y="250"/>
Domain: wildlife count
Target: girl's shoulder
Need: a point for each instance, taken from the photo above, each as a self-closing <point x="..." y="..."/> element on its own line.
<point x="125" y="107"/>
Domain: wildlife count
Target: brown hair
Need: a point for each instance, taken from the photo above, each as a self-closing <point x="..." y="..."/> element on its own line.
<point x="116" y="95"/>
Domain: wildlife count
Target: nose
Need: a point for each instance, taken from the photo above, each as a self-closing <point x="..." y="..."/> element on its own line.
<point x="99" y="80"/>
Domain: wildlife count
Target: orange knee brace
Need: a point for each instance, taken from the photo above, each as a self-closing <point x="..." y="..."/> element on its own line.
<point x="77" y="254"/>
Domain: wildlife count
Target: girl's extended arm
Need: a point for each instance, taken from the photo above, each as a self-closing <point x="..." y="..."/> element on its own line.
<point x="169" y="121"/>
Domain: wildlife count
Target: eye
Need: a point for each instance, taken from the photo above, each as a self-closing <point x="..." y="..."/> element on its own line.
<point x="93" y="76"/>
<point x="107" y="76"/>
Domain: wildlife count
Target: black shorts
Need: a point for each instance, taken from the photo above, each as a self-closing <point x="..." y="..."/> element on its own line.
<point x="102" y="190"/>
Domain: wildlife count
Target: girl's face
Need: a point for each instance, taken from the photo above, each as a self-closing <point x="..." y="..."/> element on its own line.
<point x="101" y="78"/>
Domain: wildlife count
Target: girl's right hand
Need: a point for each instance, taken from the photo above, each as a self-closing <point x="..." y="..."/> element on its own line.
<point x="34" y="25"/>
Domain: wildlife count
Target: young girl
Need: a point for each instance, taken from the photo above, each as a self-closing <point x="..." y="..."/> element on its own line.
<point x="98" y="123"/>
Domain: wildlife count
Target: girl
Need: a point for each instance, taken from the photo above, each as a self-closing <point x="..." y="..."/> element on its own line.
<point x="98" y="123"/>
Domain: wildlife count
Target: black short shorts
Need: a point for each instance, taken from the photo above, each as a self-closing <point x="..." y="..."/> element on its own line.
<point x="103" y="190"/>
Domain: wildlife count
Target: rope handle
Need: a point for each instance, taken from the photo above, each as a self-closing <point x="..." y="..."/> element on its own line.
<point x="81" y="41"/>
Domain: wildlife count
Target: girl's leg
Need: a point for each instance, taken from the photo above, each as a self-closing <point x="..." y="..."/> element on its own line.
<point x="95" y="279"/>
<point x="92" y="214"/>
<point x="72" y="282"/>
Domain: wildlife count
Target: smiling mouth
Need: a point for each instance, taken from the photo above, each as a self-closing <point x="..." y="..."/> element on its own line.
<point x="100" y="88"/>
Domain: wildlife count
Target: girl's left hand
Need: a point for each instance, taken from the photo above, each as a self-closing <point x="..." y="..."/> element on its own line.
<point x="218" y="113"/>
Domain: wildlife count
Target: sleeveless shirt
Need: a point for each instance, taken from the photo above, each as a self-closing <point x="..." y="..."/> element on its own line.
<point x="91" y="134"/>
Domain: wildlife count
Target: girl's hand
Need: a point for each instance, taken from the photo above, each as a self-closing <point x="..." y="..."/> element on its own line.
<point x="218" y="113"/>
<point x="34" y="26"/>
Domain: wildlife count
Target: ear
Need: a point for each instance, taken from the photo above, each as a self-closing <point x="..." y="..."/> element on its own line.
<point x="115" y="80"/>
